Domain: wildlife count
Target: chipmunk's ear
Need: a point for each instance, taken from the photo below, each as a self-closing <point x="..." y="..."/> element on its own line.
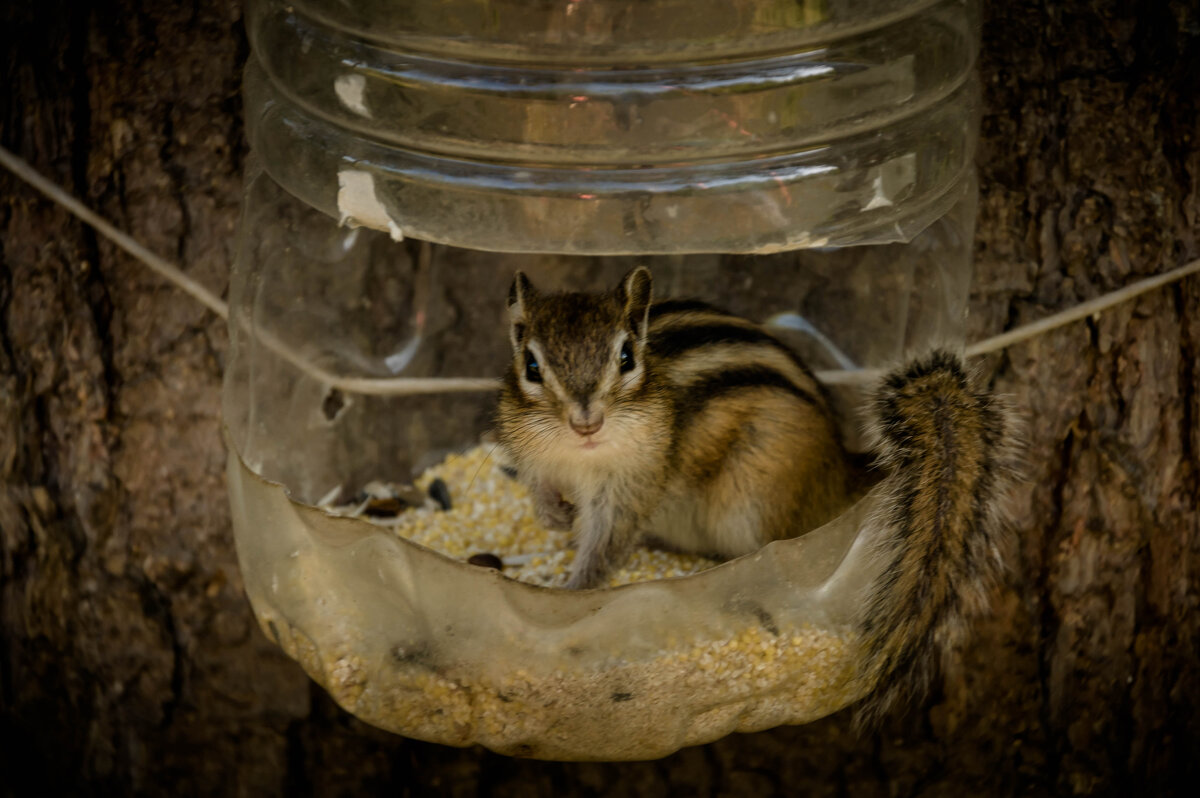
<point x="635" y="292"/>
<point x="519" y="293"/>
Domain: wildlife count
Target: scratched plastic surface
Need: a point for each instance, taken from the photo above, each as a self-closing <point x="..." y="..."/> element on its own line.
<point x="805" y="163"/>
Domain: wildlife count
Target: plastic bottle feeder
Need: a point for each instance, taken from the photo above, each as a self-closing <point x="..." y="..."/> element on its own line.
<point x="807" y="162"/>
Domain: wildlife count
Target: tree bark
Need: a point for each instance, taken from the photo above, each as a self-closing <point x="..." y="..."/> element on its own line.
<point x="129" y="660"/>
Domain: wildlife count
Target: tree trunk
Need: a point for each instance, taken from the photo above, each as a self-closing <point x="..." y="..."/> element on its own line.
<point x="129" y="660"/>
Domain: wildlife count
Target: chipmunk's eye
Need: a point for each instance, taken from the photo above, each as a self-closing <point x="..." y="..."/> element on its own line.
<point x="626" y="357"/>
<point x="533" y="372"/>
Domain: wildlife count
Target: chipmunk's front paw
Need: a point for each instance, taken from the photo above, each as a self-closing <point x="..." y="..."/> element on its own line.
<point x="586" y="576"/>
<point x="552" y="510"/>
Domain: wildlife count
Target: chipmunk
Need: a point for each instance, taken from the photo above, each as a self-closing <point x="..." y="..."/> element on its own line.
<point x="952" y="452"/>
<point x="673" y="421"/>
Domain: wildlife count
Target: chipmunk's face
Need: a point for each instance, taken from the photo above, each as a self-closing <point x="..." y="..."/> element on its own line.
<point x="578" y="364"/>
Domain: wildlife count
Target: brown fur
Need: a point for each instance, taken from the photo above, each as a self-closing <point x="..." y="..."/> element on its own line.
<point x="951" y="454"/>
<point x="718" y="441"/>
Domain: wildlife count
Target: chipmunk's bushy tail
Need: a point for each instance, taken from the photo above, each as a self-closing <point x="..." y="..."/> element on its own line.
<point x="951" y="453"/>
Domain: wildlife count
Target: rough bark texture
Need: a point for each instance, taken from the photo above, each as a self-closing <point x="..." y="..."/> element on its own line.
<point x="129" y="661"/>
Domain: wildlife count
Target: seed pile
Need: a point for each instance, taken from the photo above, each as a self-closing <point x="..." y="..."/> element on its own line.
<point x="489" y="512"/>
<point x="751" y="681"/>
<point x="697" y="686"/>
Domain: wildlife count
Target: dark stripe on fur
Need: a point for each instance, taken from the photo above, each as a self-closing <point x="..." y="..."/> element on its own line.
<point x="672" y="342"/>
<point x="692" y="398"/>
<point x="681" y="306"/>
<point x="699" y="393"/>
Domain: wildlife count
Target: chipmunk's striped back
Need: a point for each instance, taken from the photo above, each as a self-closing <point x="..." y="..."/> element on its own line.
<point x="747" y="411"/>
<point x="708" y="351"/>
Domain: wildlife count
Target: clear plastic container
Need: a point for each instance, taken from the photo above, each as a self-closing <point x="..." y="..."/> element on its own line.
<point x="807" y="164"/>
<point x="618" y="127"/>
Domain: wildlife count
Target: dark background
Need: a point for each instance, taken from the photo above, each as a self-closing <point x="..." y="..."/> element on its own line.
<point x="129" y="661"/>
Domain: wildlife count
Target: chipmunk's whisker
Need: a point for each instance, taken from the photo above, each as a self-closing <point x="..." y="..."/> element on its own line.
<point x="486" y="459"/>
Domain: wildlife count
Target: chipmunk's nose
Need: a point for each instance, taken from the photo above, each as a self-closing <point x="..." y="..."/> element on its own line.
<point x="585" y="421"/>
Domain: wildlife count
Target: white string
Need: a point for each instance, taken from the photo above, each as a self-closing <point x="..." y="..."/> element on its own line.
<point x="192" y="288"/>
<point x="1035" y="328"/>
<point x="416" y="385"/>
<point x="1081" y="311"/>
<point x="362" y="385"/>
